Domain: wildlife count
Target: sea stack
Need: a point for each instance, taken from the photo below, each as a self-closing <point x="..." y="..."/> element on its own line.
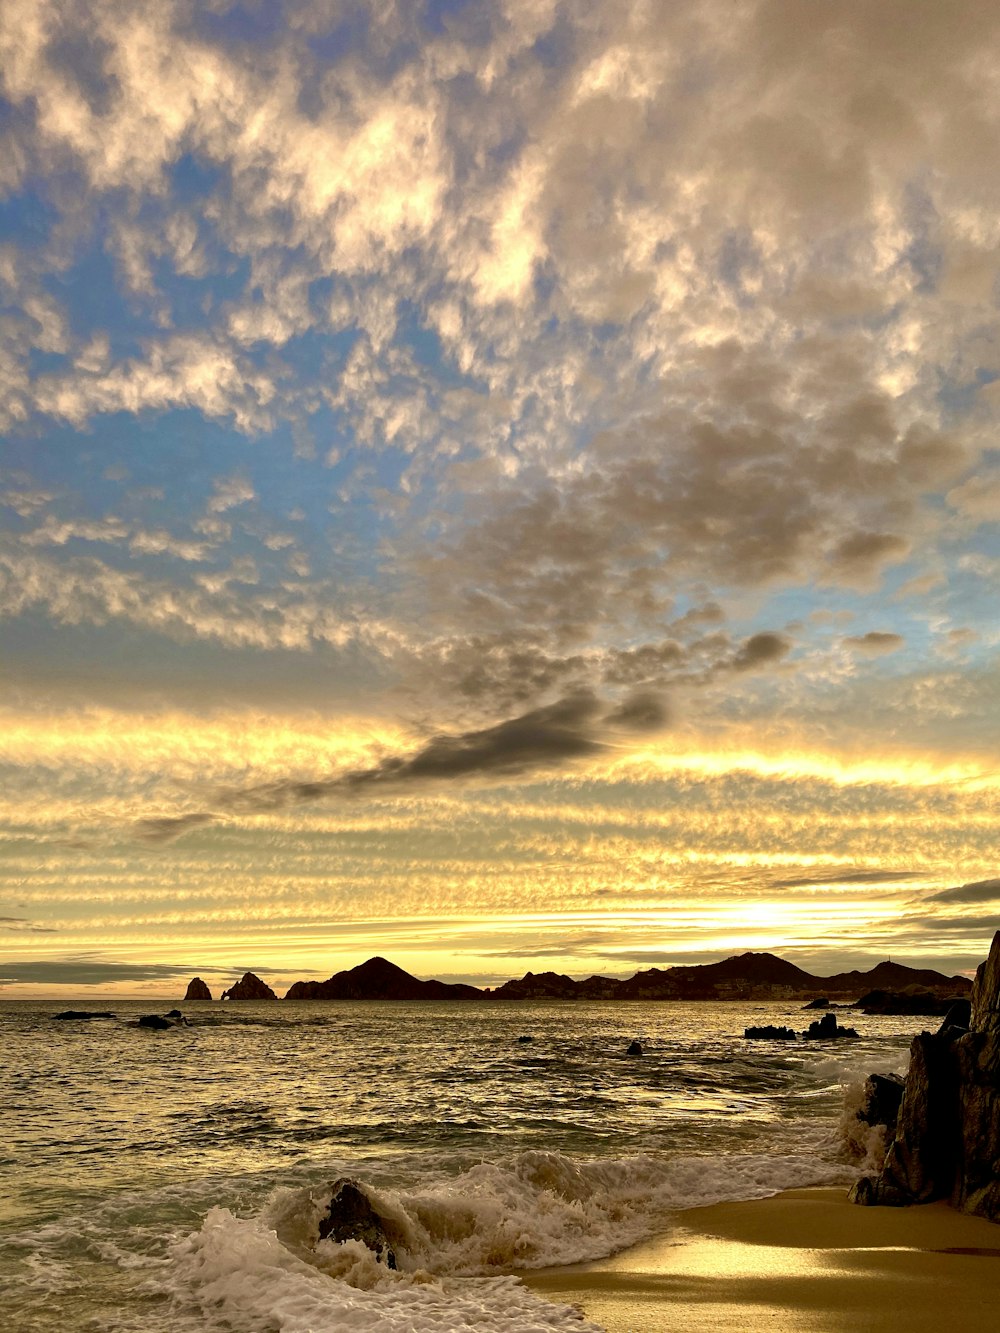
<point x="947" y="1140"/>
<point x="197" y="990"/>
<point x="249" y="987"/>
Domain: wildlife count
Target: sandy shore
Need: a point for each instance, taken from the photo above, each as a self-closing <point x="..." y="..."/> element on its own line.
<point x="806" y="1261"/>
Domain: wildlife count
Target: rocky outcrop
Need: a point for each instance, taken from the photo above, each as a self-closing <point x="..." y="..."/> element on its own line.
<point x="820" y="1002"/>
<point x="249" y="987"/>
<point x="826" y="1029"/>
<point x="351" y="1215"/>
<point x="769" y="1032"/>
<point x="197" y="990"/>
<point x="947" y="1139"/>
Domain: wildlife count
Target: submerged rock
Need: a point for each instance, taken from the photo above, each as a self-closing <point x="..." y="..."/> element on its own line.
<point x="770" y="1033"/>
<point x="947" y="1139"/>
<point x="82" y="1013"/>
<point x="249" y="987"/>
<point x="197" y="990"/>
<point x="634" y="1049"/>
<point x="156" y="1021"/>
<point x="352" y="1216"/>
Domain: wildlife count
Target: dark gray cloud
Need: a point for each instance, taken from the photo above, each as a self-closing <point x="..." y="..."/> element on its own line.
<point x="982" y="891"/>
<point x="575" y="727"/>
<point x="89" y="970"/>
<point x="846" y="876"/>
<point x="760" y="650"/>
<point x="166" y="829"/>
<point x="874" y="642"/>
<point x="24" y="924"/>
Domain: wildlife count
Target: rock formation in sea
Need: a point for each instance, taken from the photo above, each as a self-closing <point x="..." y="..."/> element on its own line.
<point x="197" y="990"/>
<point x="947" y="1139"/>
<point x="249" y="987"/>
<point x="378" y="979"/>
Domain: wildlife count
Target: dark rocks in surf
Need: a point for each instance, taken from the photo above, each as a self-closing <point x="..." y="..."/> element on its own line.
<point x="81" y="1014"/>
<point x="161" y="1024"/>
<point x="820" y="1002"/>
<point x="197" y="990"/>
<point x="826" y="1029"/>
<point x="947" y="1138"/>
<point x="634" y="1049"/>
<point x="523" y="1039"/>
<point x="249" y="987"/>
<point x="770" y="1033"/>
<point x="352" y="1216"/>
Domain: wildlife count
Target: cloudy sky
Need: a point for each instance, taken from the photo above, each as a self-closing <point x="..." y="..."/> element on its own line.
<point x="498" y="485"/>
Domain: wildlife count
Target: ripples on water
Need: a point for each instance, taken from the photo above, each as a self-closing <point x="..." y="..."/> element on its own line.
<point x="497" y="1154"/>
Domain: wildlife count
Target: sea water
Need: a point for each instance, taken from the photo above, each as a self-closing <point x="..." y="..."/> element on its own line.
<point x="173" y="1181"/>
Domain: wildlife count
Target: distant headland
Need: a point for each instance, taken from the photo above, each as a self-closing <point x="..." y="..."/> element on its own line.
<point x="748" y="976"/>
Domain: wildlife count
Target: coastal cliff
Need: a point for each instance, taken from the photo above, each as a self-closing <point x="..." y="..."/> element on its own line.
<point x="947" y="1138"/>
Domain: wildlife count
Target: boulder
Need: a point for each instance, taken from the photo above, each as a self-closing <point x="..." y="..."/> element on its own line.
<point x="352" y="1216"/>
<point x="249" y="987"/>
<point x="947" y="1138"/>
<point x="882" y="1096"/>
<point x="770" y="1033"/>
<point x="634" y="1049"/>
<point x="821" y="1002"/>
<point x="157" y="1022"/>
<point x="197" y="990"/>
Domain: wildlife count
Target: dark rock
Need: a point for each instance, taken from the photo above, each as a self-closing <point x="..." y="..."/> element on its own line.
<point x="249" y="987"/>
<point x="526" y="1039"/>
<point x="82" y="1013"/>
<point x="883" y="1094"/>
<point x="947" y="1140"/>
<point x="155" y="1021"/>
<point x="634" y="1049"/>
<point x="770" y="1033"/>
<point x="826" y="1029"/>
<point x="174" y="1013"/>
<point x="958" y="1018"/>
<point x="821" y="1002"/>
<point x="197" y="990"/>
<point x="351" y="1216"/>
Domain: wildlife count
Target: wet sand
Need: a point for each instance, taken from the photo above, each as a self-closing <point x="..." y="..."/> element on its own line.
<point x="805" y="1261"/>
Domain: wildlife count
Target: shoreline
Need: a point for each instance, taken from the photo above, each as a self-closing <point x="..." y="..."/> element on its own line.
<point x="803" y="1261"/>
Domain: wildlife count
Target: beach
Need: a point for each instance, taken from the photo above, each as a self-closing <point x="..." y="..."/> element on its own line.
<point x="803" y="1261"/>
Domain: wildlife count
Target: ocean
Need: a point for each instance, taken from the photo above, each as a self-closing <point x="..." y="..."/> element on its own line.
<point x="172" y="1182"/>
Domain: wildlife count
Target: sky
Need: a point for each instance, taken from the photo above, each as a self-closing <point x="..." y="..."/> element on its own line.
<point x="502" y="486"/>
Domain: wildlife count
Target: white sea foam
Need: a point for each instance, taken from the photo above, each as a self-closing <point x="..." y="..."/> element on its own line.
<point x="239" y="1275"/>
<point x="456" y="1242"/>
